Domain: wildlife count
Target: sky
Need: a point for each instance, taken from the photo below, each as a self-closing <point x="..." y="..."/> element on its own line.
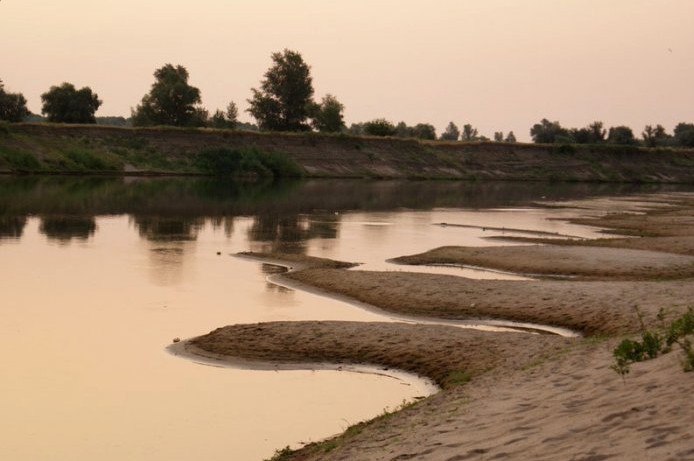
<point x="500" y="65"/>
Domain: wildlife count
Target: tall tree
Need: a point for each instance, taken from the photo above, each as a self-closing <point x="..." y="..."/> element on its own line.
<point x="66" y="104"/>
<point x="285" y="98"/>
<point x="469" y="133"/>
<point x="328" y="116"/>
<point x="510" y="137"/>
<point x="452" y="133"/>
<point x="13" y="106"/>
<point x="170" y="101"/>
<point x="498" y="136"/>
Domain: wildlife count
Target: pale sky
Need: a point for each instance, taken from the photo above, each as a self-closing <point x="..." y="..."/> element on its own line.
<point x="498" y="64"/>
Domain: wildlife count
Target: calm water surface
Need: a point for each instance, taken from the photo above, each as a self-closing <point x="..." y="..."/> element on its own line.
<point x="98" y="276"/>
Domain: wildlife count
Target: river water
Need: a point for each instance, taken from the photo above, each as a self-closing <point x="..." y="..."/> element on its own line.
<point x="98" y="275"/>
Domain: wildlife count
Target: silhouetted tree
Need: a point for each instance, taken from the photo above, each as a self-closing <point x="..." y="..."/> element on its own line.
<point x="469" y="133"/>
<point x="498" y="136"/>
<point x="403" y="131"/>
<point x="66" y="104"/>
<point x="452" y="133"/>
<point x="510" y="137"/>
<point x="684" y="134"/>
<point x="424" y="131"/>
<point x="226" y="119"/>
<point x="547" y="132"/>
<point x="621" y="135"/>
<point x="654" y="136"/>
<point x="597" y="132"/>
<point x="379" y="127"/>
<point x="13" y="106"/>
<point x="328" y="115"/>
<point x="284" y="100"/>
<point x="170" y="101"/>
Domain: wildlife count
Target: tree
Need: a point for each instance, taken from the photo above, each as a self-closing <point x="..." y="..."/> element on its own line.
<point x="424" y="131"/>
<point x="510" y="137"/>
<point x="654" y="136"/>
<point x="379" y="127"/>
<point x="547" y="132"/>
<point x="403" y="131"/>
<point x="170" y="101"/>
<point x="285" y="98"/>
<point x="66" y="104"/>
<point x="498" y="136"/>
<point x="13" y="106"/>
<point x="469" y="133"/>
<point x="452" y="133"/>
<point x="597" y="132"/>
<point x="621" y="135"/>
<point x="328" y="115"/>
<point x="684" y="134"/>
<point x="232" y="114"/>
<point x="224" y="120"/>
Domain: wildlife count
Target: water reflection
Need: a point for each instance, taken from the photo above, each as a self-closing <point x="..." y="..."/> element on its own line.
<point x="289" y="232"/>
<point x="12" y="227"/>
<point x="166" y="228"/>
<point x="63" y="229"/>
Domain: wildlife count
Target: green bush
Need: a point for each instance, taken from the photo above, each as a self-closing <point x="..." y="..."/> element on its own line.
<point x="653" y="343"/>
<point x="223" y="161"/>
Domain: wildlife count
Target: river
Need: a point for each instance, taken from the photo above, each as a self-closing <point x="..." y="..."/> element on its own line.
<point x="98" y="275"/>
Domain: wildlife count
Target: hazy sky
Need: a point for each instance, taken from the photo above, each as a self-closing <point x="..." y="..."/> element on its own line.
<point x="498" y="64"/>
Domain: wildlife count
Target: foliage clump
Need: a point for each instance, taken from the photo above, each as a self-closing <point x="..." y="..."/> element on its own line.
<point x="170" y="101"/>
<point x="654" y="343"/>
<point x="67" y="104"/>
<point x="223" y="161"/>
<point x="13" y="106"/>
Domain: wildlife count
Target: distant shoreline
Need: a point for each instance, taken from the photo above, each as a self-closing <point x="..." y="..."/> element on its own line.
<point x="42" y="148"/>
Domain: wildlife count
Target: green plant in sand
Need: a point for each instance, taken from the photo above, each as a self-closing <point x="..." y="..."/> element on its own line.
<point x="654" y="343"/>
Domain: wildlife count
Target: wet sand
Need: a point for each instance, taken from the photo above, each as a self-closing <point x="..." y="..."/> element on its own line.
<point x="528" y="396"/>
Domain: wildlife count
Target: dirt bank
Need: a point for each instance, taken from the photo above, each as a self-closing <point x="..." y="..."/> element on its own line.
<point x="62" y="148"/>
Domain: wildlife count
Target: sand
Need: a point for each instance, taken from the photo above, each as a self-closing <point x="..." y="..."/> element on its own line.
<point x="584" y="262"/>
<point x="512" y="395"/>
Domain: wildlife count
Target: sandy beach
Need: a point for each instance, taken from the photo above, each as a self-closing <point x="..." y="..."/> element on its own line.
<point x="511" y="395"/>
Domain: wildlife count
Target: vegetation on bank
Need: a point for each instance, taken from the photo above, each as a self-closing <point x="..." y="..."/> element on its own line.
<point x="81" y="149"/>
<point x="284" y="102"/>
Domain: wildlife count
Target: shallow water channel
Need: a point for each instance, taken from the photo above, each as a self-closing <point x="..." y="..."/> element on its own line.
<point x="98" y="275"/>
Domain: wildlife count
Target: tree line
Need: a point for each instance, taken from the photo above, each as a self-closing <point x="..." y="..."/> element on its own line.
<point x="285" y="101"/>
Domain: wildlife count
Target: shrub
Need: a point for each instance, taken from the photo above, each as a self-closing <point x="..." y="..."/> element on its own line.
<point x="223" y="161"/>
<point x="654" y="343"/>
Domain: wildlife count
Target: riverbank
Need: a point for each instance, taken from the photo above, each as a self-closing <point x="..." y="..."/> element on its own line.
<point x="558" y="399"/>
<point x="88" y="149"/>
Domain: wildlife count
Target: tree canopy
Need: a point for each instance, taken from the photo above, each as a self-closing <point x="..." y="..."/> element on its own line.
<point x="621" y="135"/>
<point x="549" y="132"/>
<point x="170" y="101"/>
<point x="13" y="106"/>
<point x="452" y="133"/>
<point x="684" y="134"/>
<point x="285" y="97"/>
<point x="328" y="116"/>
<point x="379" y="127"/>
<point x="66" y="104"/>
